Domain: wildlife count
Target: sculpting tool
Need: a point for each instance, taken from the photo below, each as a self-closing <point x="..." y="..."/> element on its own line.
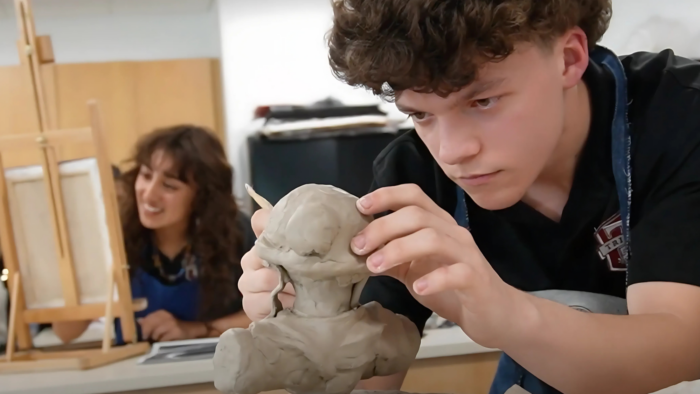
<point x="264" y="204"/>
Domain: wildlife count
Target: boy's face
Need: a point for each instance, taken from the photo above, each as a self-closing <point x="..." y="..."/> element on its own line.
<point x="496" y="136"/>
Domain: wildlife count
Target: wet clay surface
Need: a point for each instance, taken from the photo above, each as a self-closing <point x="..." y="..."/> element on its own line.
<point x="327" y="342"/>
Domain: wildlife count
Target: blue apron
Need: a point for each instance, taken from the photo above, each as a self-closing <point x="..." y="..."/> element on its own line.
<point x="509" y="372"/>
<point x="181" y="300"/>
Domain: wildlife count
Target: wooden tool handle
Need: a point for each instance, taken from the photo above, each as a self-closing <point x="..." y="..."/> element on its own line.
<point x="264" y="204"/>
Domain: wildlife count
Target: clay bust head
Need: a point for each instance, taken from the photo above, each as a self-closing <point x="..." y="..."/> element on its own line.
<point x="309" y="233"/>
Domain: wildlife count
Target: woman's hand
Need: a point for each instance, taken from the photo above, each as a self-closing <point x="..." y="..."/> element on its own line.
<point x="257" y="282"/>
<point x="161" y="326"/>
<point x="423" y="246"/>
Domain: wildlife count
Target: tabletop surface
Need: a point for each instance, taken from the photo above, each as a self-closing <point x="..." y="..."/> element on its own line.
<point x="128" y="375"/>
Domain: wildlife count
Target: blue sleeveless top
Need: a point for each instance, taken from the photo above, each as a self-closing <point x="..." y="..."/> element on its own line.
<point x="176" y="288"/>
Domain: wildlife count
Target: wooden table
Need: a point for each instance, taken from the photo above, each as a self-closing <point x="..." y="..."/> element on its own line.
<point x="448" y="362"/>
<point x="467" y="374"/>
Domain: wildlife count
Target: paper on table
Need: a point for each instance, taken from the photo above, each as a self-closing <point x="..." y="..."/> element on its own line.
<point x="517" y="390"/>
<point x="174" y="351"/>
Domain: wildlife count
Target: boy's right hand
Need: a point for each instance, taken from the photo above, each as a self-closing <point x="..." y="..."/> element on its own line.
<point x="257" y="282"/>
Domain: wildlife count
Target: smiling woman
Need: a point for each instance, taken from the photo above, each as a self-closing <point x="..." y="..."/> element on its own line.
<point x="184" y="238"/>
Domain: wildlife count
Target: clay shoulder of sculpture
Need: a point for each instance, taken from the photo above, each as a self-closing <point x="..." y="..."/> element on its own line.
<point x="365" y="332"/>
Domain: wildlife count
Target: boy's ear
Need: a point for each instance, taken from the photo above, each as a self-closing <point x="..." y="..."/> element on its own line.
<point x="574" y="53"/>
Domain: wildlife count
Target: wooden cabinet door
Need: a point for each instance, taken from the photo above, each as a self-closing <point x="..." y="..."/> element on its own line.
<point x="134" y="97"/>
<point x="113" y="86"/>
<point x="176" y="91"/>
<point x="18" y="113"/>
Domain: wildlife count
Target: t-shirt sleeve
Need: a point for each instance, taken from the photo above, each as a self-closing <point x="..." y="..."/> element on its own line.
<point x="665" y="241"/>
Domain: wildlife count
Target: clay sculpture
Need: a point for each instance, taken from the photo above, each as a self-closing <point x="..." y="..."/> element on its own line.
<point x="327" y="342"/>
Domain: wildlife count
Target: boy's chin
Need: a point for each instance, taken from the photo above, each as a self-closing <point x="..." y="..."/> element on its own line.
<point x="495" y="200"/>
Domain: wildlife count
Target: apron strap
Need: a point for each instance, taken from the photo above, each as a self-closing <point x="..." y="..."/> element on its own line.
<point x="621" y="142"/>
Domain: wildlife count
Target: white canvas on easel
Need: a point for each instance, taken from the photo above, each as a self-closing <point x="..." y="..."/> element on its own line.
<point x="34" y="237"/>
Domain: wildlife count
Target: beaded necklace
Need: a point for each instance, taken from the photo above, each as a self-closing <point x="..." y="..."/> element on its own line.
<point x="189" y="265"/>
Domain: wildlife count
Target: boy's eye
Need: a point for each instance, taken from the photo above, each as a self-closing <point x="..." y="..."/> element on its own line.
<point x="418" y="115"/>
<point x="485" y="103"/>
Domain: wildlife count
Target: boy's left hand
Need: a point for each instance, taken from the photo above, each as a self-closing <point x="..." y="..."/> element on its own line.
<point x="162" y="326"/>
<point x="437" y="260"/>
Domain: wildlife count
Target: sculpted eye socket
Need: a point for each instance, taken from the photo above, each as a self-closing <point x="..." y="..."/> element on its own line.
<point x="417" y="115"/>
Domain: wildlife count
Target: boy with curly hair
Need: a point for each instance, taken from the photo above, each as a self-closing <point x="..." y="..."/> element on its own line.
<point x="539" y="162"/>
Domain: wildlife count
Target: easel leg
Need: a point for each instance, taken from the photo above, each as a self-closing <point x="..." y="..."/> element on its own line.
<point x="109" y="314"/>
<point x="9" y="352"/>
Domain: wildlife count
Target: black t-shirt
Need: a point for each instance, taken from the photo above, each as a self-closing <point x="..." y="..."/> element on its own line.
<point x="531" y="252"/>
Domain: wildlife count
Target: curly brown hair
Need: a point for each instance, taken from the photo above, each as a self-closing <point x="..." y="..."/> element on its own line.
<point x="437" y="46"/>
<point x="217" y="239"/>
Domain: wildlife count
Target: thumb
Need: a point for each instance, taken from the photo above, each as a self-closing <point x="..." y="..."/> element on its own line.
<point x="259" y="221"/>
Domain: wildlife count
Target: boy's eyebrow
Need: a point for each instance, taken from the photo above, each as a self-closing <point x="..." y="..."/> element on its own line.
<point x="480" y="87"/>
<point x="475" y="89"/>
<point x="405" y="109"/>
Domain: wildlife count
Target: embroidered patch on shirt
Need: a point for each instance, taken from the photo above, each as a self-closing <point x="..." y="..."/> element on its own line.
<point x="611" y="242"/>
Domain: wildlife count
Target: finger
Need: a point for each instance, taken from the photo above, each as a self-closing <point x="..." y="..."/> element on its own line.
<point x="401" y="223"/>
<point x="427" y="243"/>
<point x="451" y="277"/>
<point x="153" y="320"/>
<point x="251" y="261"/>
<point x="161" y="330"/>
<point x="393" y="198"/>
<point x="259" y="221"/>
<point x="146" y="327"/>
<point x="258" y="306"/>
<point x="171" y="335"/>
<point x="261" y="281"/>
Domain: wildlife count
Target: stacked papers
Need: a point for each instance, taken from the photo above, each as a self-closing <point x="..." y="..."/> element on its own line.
<point x="323" y="119"/>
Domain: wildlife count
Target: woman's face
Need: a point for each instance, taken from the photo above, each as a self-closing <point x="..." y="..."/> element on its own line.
<point x="164" y="201"/>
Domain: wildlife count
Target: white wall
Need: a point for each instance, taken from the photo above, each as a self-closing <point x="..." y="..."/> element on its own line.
<point x="653" y="25"/>
<point x="98" y="38"/>
<point x="273" y="52"/>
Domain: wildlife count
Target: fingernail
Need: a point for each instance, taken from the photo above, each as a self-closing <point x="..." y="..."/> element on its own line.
<point x="358" y="243"/>
<point x="365" y="202"/>
<point x="375" y="260"/>
<point x="420" y="285"/>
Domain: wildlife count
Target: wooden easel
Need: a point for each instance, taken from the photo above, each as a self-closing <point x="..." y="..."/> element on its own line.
<point x="34" y="52"/>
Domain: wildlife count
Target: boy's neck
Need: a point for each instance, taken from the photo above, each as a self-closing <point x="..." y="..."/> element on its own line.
<point x="550" y="191"/>
<point x="171" y="240"/>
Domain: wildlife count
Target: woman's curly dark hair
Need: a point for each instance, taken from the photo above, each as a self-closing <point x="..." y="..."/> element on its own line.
<point x="437" y="46"/>
<point x="199" y="157"/>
